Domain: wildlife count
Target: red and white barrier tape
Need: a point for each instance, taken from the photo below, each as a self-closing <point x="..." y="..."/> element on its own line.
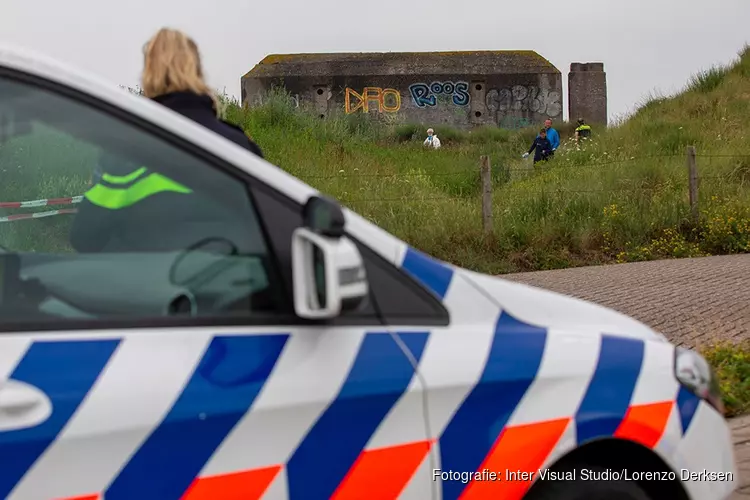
<point x="38" y="215"/>
<point x="41" y="203"/>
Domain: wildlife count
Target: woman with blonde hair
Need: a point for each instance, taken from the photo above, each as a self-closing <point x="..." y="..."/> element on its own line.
<point x="173" y="76"/>
<point x="135" y="208"/>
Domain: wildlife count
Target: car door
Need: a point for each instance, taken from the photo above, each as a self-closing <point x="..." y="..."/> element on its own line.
<point x="179" y="370"/>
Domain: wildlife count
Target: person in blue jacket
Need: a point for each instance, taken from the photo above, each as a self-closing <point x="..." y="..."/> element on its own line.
<point x="541" y="147"/>
<point x="552" y="135"/>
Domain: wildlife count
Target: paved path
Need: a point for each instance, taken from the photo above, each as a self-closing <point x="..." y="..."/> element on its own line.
<point x="691" y="301"/>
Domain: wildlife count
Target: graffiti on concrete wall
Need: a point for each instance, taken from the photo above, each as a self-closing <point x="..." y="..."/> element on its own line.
<point x="514" y="122"/>
<point x="388" y="100"/>
<point x="427" y="95"/>
<point x="520" y="98"/>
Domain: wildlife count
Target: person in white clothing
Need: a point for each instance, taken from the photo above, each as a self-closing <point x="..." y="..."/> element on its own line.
<point x="432" y="140"/>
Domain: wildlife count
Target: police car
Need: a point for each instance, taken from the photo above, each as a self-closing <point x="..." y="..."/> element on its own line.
<point x="319" y="357"/>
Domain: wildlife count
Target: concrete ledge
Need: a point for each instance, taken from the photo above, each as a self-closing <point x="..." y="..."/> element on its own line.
<point x="403" y="63"/>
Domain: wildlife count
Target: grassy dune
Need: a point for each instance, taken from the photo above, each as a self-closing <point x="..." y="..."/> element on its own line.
<point x="623" y="197"/>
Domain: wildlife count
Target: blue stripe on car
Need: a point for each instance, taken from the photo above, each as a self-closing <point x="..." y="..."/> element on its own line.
<point x="220" y="391"/>
<point x="608" y="395"/>
<point x="432" y="273"/>
<point x="687" y="405"/>
<point x="378" y="378"/>
<point x="511" y="366"/>
<point x="65" y="371"/>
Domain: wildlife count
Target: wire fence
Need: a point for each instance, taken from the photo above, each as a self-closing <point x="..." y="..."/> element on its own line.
<point x="658" y="173"/>
<point x="551" y="165"/>
<point x="682" y="173"/>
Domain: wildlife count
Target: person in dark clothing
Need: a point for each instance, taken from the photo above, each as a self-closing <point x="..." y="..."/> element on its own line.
<point x="201" y="108"/>
<point x="132" y="208"/>
<point x="541" y="147"/>
<point x="173" y="77"/>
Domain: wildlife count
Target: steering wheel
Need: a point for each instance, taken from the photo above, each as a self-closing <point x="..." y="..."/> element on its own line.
<point x="180" y="273"/>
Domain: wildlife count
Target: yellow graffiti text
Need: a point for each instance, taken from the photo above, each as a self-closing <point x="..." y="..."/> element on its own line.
<point x="369" y="94"/>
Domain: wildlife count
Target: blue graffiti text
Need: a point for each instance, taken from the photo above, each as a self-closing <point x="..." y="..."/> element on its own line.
<point x="426" y="95"/>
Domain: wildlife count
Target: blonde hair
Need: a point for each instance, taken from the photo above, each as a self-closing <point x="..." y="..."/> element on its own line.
<point x="172" y="63"/>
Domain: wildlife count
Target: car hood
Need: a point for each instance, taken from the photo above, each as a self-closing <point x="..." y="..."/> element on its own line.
<point x="556" y="311"/>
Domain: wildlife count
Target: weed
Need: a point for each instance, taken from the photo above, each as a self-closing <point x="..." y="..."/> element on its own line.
<point x="731" y="363"/>
<point x="708" y="80"/>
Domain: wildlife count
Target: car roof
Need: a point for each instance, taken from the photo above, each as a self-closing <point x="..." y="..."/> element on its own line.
<point x="39" y="65"/>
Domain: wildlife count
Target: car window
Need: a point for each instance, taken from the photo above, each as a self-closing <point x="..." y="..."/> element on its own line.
<point x="393" y="294"/>
<point x="105" y="220"/>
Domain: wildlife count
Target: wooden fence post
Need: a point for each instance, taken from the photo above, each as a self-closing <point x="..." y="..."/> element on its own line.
<point x="693" y="183"/>
<point x="486" y="175"/>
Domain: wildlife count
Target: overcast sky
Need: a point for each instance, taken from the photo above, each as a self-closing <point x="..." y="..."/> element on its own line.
<point x="646" y="45"/>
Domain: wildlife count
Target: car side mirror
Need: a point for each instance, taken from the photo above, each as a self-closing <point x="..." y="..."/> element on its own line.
<point x="327" y="269"/>
<point x="328" y="275"/>
<point x="324" y="216"/>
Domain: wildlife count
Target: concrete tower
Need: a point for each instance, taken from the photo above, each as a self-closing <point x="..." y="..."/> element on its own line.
<point x="587" y="93"/>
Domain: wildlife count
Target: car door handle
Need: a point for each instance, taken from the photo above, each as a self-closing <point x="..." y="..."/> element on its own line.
<point x="18" y="397"/>
<point x="22" y="406"/>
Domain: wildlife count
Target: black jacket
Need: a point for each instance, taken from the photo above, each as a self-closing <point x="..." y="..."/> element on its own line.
<point x="204" y="205"/>
<point x="200" y="109"/>
<point x="542" y="148"/>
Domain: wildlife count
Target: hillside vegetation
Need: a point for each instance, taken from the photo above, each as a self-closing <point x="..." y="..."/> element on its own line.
<point x="622" y="197"/>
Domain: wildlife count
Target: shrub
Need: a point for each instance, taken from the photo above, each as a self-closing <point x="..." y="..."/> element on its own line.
<point x="731" y="363"/>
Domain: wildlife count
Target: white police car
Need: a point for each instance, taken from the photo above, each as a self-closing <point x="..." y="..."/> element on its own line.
<point x="323" y="359"/>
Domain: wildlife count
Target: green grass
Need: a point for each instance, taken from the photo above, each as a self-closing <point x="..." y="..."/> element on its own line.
<point x="709" y="80"/>
<point x="732" y="365"/>
<point x="48" y="164"/>
<point x="623" y="197"/>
